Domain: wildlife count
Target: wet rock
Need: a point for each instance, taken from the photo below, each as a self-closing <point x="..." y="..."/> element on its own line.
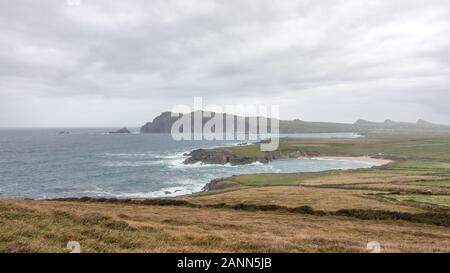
<point x="219" y="156"/>
<point x="220" y="184"/>
<point x="226" y="156"/>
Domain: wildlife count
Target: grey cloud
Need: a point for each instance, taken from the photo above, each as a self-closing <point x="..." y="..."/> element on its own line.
<point x="366" y="52"/>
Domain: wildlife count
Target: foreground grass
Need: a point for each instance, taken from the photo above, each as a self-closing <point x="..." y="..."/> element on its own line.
<point x="439" y="183"/>
<point x="47" y="226"/>
<point x="441" y="200"/>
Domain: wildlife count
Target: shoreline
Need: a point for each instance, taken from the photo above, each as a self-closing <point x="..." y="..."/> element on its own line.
<point x="224" y="182"/>
<point x="374" y="162"/>
<point x="365" y="159"/>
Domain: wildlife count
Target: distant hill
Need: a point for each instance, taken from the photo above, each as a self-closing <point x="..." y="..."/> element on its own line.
<point x="299" y="126"/>
<point x="163" y="124"/>
<point x="398" y="125"/>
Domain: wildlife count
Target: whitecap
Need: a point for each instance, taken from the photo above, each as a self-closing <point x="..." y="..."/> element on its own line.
<point x="130" y="155"/>
<point x="185" y="187"/>
<point x="257" y="163"/>
<point x="133" y="163"/>
<point x="179" y="164"/>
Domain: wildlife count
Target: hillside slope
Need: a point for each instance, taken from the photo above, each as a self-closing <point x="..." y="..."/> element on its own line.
<point x="163" y="124"/>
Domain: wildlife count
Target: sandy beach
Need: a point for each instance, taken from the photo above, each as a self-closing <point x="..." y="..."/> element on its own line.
<point x="368" y="159"/>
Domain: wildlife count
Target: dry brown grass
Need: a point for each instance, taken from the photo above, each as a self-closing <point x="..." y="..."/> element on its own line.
<point x="369" y="177"/>
<point x="327" y="199"/>
<point x="47" y="226"/>
<point x="398" y="187"/>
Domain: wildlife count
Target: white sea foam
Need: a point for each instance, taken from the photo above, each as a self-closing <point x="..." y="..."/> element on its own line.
<point x="130" y="155"/>
<point x="179" y="164"/>
<point x="184" y="187"/>
<point x="244" y="143"/>
<point x="172" y="159"/>
<point x="177" y="155"/>
<point x="165" y="192"/>
<point x="133" y="163"/>
<point x="257" y="163"/>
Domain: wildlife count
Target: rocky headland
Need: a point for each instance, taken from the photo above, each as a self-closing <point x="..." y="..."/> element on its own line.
<point x="220" y="156"/>
<point x="227" y="156"/>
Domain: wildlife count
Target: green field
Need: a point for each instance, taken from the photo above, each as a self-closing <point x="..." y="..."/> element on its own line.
<point x="421" y="165"/>
<point x="436" y="149"/>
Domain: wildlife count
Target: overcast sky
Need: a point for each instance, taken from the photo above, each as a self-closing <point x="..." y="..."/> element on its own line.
<point x="120" y="63"/>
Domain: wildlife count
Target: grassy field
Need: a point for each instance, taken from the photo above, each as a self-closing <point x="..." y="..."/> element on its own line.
<point x="443" y="200"/>
<point x="415" y="149"/>
<point x="31" y="226"/>
<point x="404" y="205"/>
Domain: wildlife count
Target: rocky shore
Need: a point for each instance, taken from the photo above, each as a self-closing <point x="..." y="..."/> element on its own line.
<point x="220" y="184"/>
<point x="221" y="156"/>
<point x="226" y="156"/>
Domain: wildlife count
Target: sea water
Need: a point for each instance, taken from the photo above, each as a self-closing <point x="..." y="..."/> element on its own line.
<point x="46" y="163"/>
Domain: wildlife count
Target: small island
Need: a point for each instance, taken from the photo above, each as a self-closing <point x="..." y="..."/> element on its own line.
<point x="121" y="131"/>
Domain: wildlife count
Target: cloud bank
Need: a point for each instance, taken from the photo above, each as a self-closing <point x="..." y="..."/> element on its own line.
<point x="112" y="63"/>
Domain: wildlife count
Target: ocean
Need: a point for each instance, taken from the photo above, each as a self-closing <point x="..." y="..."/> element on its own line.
<point x="42" y="164"/>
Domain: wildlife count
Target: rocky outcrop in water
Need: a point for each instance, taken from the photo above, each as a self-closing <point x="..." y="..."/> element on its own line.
<point x="220" y="156"/>
<point x="121" y="131"/>
<point x="226" y="156"/>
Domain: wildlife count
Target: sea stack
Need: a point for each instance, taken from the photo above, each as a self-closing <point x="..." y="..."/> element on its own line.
<point x="121" y="131"/>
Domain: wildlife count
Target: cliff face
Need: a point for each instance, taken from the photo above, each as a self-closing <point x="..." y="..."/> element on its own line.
<point x="163" y="123"/>
<point x="220" y="156"/>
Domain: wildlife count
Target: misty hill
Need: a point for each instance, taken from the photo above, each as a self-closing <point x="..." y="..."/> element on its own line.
<point x="163" y="124"/>
<point x="398" y="125"/>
